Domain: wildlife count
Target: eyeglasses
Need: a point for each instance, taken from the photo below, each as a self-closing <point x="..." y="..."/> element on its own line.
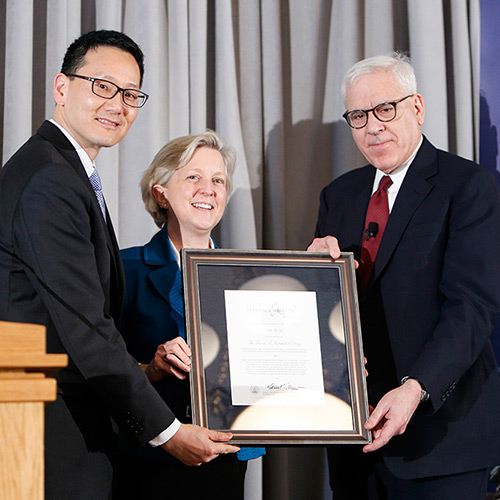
<point x="384" y="112"/>
<point x="106" y="89"/>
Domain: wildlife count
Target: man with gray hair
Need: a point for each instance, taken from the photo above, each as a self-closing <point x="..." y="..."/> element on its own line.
<point x="423" y="225"/>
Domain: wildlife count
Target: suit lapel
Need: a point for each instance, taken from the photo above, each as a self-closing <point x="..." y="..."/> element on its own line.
<point x="51" y="133"/>
<point x="356" y="208"/>
<point x="413" y="191"/>
<point x="166" y="276"/>
<point x="116" y="260"/>
<point x="163" y="280"/>
<point x="166" y="273"/>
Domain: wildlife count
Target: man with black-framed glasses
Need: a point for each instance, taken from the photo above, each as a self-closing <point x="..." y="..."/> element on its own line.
<point x="424" y="226"/>
<point x="60" y="266"/>
<point x="106" y="89"/>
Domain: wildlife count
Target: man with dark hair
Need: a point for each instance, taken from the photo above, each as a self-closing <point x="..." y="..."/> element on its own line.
<point x="76" y="52"/>
<point x="60" y="267"/>
<point x="424" y="226"/>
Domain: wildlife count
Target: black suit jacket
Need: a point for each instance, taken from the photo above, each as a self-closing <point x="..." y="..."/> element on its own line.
<point x="67" y="275"/>
<point x="431" y="305"/>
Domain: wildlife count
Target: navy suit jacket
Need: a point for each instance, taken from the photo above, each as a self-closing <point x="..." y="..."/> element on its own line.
<point x="431" y="304"/>
<point x="67" y="275"/>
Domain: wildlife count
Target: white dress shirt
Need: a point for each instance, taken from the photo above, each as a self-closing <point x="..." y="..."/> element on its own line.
<point x="397" y="176"/>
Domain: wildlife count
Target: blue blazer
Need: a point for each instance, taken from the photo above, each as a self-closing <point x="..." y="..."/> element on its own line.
<point x="148" y="316"/>
<point x="152" y="314"/>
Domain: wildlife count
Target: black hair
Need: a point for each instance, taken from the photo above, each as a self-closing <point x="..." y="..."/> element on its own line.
<point x="76" y="52"/>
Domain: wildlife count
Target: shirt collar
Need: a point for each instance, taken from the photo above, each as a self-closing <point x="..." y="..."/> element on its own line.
<point x="398" y="174"/>
<point x="176" y="252"/>
<point x="87" y="163"/>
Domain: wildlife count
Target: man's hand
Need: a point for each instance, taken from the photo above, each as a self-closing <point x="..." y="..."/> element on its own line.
<point x="392" y="414"/>
<point x="171" y="358"/>
<point x="194" y="445"/>
<point x="328" y="244"/>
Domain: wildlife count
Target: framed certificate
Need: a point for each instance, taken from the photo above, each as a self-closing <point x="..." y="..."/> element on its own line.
<point x="276" y="346"/>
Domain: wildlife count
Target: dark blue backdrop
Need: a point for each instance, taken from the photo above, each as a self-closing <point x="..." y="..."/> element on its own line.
<point x="490" y="101"/>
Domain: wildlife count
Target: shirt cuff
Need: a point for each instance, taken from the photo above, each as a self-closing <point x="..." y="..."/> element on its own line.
<point x="164" y="436"/>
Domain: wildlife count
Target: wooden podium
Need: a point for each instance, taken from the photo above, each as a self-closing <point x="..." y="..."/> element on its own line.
<point x="24" y="390"/>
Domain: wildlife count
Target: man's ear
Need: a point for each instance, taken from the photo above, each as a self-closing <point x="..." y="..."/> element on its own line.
<point x="418" y="102"/>
<point x="60" y="88"/>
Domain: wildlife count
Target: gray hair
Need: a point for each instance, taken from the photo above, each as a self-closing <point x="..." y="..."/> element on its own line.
<point x="399" y="64"/>
<point x="174" y="155"/>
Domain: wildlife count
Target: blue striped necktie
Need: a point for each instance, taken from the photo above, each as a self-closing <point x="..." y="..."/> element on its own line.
<point x="95" y="180"/>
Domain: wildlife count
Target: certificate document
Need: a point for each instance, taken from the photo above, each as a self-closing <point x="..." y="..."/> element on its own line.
<point x="274" y="348"/>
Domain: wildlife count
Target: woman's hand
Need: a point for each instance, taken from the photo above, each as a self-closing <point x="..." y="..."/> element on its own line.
<point x="171" y="358"/>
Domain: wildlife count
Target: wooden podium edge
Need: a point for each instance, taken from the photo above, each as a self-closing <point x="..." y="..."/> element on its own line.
<point x="25" y="388"/>
<point x="30" y="391"/>
<point x="33" y="361"/>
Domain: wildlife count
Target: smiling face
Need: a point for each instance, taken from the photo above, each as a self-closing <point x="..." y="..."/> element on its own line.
<point x="195" y="197"/>
<point x="92" y="121"/>
<point x="386" y="145"/>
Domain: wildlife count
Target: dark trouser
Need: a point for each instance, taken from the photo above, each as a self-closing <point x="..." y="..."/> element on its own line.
<point x="139" y="479"/>
<point x="78" y="445"/>
<point x="358" y="476"/>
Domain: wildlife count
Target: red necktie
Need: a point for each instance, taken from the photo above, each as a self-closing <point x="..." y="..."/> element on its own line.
<point x="375" y="222"/>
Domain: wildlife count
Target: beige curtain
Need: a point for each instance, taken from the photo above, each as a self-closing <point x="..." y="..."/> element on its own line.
<point x="265" y="74"/>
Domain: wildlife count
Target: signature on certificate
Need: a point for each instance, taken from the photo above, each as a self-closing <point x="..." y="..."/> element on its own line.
<point x="285" y="386"/>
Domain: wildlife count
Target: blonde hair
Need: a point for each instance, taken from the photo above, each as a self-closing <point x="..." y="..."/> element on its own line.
<point x="174" y="155"/>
